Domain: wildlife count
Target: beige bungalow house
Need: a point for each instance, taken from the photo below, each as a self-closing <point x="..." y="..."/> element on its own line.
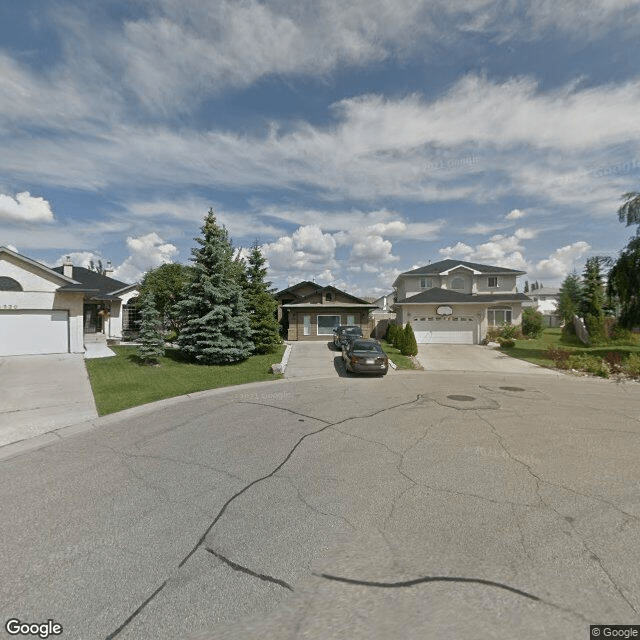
<point x="46" y="311"/>
<point x="309" y="311"/>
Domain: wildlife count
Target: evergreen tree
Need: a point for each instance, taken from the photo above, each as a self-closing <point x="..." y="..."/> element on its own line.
<point x="151" y="347"/>
<point x="624" y="283"/>
<point x="215" y="323"/>
<point x="570" y="299"/>
<point x="593" y="299"/>
<point x="261" y="305"/>
<point x="526" y="286"/>
<point x="409" y="344"/>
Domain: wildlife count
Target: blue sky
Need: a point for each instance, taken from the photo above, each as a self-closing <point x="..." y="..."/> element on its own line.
<point x="354" y="140"/>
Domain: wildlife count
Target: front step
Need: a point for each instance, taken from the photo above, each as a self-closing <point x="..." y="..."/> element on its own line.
<point x="95" y="338"/>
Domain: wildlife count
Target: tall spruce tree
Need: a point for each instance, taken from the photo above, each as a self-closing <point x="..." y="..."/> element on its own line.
<point x="261" y="305"/>
<point x="593" y="298"/>
<point x="215" y="323"/>
<point x="570" y="299"/>
<point x="151" y="347"/>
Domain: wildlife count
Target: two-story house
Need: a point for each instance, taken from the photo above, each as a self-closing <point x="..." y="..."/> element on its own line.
<point x="455" y="302"/>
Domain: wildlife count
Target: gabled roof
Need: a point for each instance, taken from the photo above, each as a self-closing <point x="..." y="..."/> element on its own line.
<point x="52" y="272"/>
<point x="318" y="288"/>
<point x="93" y="282"/>
<point x="299" y="285"/>
<point x="438" y="295"/>
<point x="445" y="266"/>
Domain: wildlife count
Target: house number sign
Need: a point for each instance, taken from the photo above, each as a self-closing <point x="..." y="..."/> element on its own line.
<point x="8" y="306"/>
<point x="444" y="311"/>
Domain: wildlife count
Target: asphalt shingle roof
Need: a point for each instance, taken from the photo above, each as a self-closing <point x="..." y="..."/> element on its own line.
<point x="445" y="265"/>
<point x="92" y="281"/>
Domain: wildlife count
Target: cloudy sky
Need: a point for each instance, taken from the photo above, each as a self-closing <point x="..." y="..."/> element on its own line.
<point x="352" y="140"/>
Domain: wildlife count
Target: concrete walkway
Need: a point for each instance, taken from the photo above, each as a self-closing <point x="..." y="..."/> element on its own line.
<point x="463" y="357"/>
<point x="42" y="393"/>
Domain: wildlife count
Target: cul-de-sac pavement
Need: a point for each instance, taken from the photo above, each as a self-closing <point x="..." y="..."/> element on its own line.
<point x="426" y="504"/>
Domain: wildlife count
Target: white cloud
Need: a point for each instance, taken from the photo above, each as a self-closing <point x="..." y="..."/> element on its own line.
<point x="499" y="251"/>
<point x="515" y="214"/>
<point x="308" y="251"/>
<point x="81" y="259"/>
<point x="561" y="262"/>
<point x="25" y="208"/>
<point x="146" y="252"/>
<point x="372" y="249"/>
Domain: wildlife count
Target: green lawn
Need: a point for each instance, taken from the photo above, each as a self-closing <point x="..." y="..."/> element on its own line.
<point x="122" y="382"/>
<point x="402" y="362"/>
<point x="535" y="350"/>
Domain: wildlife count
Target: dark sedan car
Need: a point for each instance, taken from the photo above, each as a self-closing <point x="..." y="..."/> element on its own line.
<point x="344" y="333"/>
<point x="365" y="356"/>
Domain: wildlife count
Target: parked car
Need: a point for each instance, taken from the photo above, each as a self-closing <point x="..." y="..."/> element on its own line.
<point x="345" y="332"/>
<point x="365" y="355"/>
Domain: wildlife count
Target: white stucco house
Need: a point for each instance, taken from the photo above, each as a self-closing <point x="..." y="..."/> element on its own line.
<point x="455" y="302"/>
<point x="52" y="310"/>
<point x="545" y="300"/>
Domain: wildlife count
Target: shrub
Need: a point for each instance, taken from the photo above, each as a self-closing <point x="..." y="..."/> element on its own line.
<point x="398" y="338"/>
<point x="492" y="334"/>
<point x="532" y="323"/>
<point x="391" y="332"/>
<point x="614" y="361"/>
<point x="506" y="343"/>
<point x="509" y="331"/>
<point x="590" y="364"/>
<point x="632" y="365"/>
<point x="559" y="356"/>
<point x="595" y="327"/>
<point x="620" y="334"/>
<point x="409" y="344"/>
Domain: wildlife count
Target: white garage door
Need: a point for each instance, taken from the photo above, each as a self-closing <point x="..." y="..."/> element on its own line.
<point x="30" y="332"/>
<point x="445" y="330"/>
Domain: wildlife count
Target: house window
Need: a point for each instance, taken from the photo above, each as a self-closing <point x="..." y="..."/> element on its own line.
<point x="306" y="325"/>
<point x="425" y="283"/>
<point x="493" y="281"/>
<point x="458" y="283"/>
<point x="499" y="316"/>
<point x="351" y="319"/>
<point x="329" y="296"/>
<point x="131" y="315"/>
<point x="326" y="325"/>
<point x="9" y="284"/>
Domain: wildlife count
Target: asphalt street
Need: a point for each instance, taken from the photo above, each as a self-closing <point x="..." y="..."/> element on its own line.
<point x="419" y="505"/>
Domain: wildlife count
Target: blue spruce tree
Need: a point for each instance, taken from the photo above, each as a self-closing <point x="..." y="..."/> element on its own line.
<point x="216" y="327"/>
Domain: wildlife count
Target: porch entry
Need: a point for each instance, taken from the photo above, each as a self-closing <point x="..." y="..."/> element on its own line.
<point x="92" y="319"/>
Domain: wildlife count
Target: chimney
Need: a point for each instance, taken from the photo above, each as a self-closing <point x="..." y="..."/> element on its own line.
<point x="67" y="267"/>
<point x="109" y="270"/>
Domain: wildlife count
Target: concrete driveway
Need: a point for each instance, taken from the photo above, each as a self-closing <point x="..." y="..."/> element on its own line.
<point x="317" y="359"/>
<point x="42" y="393"/>
<point x="463" y="357"/>
<point x="422" y="506"/>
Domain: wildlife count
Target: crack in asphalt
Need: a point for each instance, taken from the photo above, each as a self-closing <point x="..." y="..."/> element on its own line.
<point x="312" y="507"/>
<point x="236" y="495"/>
<point x="539" y="480"/>
<point x="238" y="567"/>
<point x="416" y="581"/>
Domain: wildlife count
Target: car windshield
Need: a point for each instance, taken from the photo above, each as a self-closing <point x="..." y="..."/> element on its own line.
<point x="361" y="345"/>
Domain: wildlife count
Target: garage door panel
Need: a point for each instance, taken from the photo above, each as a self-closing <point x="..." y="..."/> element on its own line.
<point x="33" y="331"/>
<point x="446" y="330"/>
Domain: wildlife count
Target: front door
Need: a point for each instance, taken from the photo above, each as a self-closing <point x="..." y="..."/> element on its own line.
<point x="92" y="319"/>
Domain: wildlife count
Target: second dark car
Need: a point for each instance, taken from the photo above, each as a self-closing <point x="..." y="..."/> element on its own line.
<point x="344" y="333"/>
<point x="365" y="355"/>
